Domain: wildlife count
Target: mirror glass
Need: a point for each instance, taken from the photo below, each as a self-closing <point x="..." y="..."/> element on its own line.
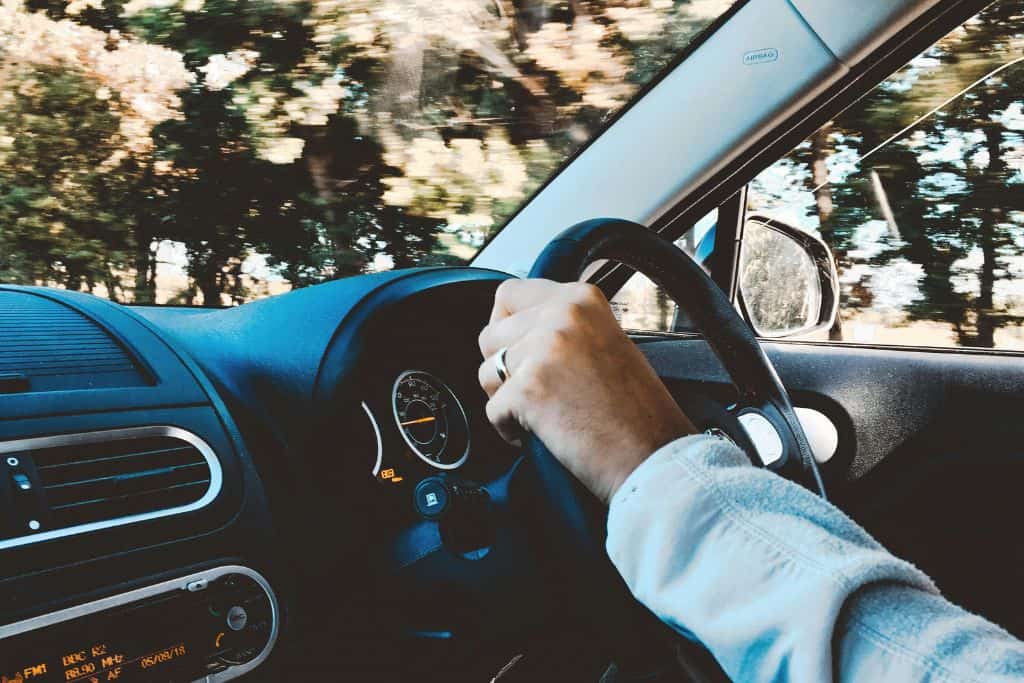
<point x="779" y="282"/>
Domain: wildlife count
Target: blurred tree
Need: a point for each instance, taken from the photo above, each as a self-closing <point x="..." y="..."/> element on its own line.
<point x="66" y="198"/>
<point x="220" y="197"/>
<point x="938" y="198"/>
<point x="105" y="15"/>
<point x="963" y="217"/>
<point x="326" y="137"/>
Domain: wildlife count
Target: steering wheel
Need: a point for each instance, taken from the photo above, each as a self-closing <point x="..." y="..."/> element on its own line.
<point x="577" y="515"/>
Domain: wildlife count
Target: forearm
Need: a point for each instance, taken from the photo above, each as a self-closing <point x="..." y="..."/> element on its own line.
<point x="762" y="572"/>
<point x="891" y="632"/>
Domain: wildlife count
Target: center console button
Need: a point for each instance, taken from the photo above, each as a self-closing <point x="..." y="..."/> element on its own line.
<point x="237" y="618"/>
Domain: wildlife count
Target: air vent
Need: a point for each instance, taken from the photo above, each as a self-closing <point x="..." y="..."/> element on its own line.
<point x="48" y="346"/>
<point x="82" y="482"/>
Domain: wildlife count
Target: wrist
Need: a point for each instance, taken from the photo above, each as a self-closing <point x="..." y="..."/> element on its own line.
<point x="673" y="430"/>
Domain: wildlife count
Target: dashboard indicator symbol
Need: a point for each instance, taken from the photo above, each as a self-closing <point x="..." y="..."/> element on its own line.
<point x="387" y="474"/>
<point x="431" y="500"/>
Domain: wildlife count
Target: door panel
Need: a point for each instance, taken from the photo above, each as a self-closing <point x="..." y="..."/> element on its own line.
<point x="931" y="452"/>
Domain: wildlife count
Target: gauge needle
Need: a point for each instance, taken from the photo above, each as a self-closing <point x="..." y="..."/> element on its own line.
<point x="417" y="422"/>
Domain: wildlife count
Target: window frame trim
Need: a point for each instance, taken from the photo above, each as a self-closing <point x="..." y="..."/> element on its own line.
<point x="885" y="63"/>
<point x="776" y="142"/>
<point x="732" y="182"/>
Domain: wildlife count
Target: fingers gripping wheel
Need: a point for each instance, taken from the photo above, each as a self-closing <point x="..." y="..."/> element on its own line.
<point x="759" y="388"/>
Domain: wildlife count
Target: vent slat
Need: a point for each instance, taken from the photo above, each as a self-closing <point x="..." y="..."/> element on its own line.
<point x="79" y="452"/>
<point x="58" y="348"/>
<point x="101" y="481"/>
<point x="84" y="372"/>
<point x="126" y="477"/>
<point x="133" y="494"/>
<point x="77" y="346"/>
<point x="97" y="510"/>
<point x="113" y="458"/>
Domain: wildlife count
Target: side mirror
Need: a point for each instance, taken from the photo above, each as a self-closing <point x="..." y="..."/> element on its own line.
<point x="788" y="283"/>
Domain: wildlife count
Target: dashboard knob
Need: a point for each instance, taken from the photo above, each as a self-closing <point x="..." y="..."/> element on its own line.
<point x="432" y="498"/>
<point x="462" y="510"/>
<point x="237" y="618"/>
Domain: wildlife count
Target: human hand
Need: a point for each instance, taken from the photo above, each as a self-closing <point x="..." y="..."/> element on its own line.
<point x="576" y="381"/>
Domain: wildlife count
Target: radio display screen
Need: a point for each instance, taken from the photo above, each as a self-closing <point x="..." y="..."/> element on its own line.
<point x="172" y="637"/>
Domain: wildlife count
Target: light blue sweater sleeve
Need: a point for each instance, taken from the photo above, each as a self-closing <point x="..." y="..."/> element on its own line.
<point x="782" y="586"/>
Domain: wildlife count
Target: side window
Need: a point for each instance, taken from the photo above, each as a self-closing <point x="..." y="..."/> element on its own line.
<point x="642" y="305"/>
<point x="918" y="189"/>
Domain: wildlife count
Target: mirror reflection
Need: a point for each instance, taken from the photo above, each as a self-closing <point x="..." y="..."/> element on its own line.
<point x="779" y="282"/>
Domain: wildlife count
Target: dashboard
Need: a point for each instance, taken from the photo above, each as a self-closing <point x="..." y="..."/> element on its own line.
<point x="205" y="494"/>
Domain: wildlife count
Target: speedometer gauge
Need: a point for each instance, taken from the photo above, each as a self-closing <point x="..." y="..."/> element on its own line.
<point x="431" y="419"/>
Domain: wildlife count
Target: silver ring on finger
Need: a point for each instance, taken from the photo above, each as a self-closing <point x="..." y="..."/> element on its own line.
<point x="500" y="366"/>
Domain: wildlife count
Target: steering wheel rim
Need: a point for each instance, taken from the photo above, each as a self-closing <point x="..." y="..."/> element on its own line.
<point x="729" y="336"/>
<point x="577" y="513"/>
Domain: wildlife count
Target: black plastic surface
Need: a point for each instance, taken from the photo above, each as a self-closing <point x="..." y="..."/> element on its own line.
<point x="44" y="575"/>
<point x="58" y="348"/>
<point x="169" y="381"/>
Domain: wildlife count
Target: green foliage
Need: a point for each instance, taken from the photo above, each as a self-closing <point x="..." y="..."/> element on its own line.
<point x="316" y="136"/>
<point x="65" y="202"/>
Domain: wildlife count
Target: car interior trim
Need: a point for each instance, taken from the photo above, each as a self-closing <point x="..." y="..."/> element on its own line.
<point x="646" y="145"/>
<point x="851" y="30"/>
<point x="822" y="433"/>
<point x="380" y="441"/>
<point x="806" y="70"/>
<point x="59" y="440"/>
<point x="894" y="50"/>
<point x="182" y="583"/>
<point x="764" y="436"/>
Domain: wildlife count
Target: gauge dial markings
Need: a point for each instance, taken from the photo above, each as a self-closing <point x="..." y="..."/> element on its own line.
<point x="430" y="419"/>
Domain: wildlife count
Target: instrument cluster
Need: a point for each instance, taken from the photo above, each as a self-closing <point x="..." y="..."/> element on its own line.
<point x="421" y="427"/>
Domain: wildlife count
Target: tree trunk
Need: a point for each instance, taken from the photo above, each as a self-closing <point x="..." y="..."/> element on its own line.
<point x="821" y="149"/>
<point x="985" y="303"/>
<point x="145" y="269"/>
<point x="986" y="324"/>
<point x="205" y="270"/>
<point x="112" y="283"/>
<point x="665" y="307"/>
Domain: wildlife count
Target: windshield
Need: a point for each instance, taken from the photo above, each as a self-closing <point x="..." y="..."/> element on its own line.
<point x="209" y="152"/>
